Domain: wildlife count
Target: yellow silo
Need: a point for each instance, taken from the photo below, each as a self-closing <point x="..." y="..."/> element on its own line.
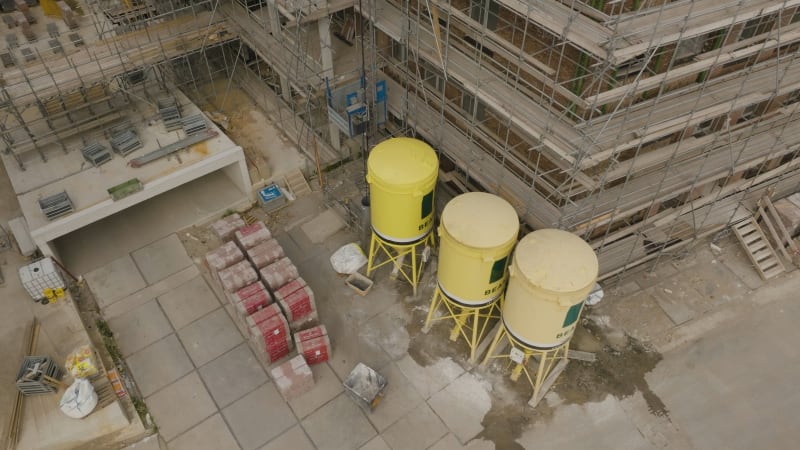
<point x="477" y="233"/>
<point x="401" y="173"/>
<point x="551" y="274"/>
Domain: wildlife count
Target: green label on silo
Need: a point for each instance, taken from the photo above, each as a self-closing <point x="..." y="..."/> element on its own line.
<point x="427" y="205"/>
<point x="572" y="314"/>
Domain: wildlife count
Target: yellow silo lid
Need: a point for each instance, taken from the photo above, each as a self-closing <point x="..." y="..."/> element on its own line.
<point x="402" y="161"/>
<point x="480" y="220"/>
<point x="556" y="260"/>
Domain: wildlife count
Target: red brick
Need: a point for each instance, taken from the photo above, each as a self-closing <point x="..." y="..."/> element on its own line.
<point x="298" y="304"/>
<point x="293" y="378"/>
<point x="227" y="226"/>
<point x="265" y="253"/>
<point x="253" y="303"/>
<point x="262" y="315"/>
<point x="279" y="273"/>
<point x="237" y="276"/>
<point x="316" y="350"/>
<point x="288" y="288"/>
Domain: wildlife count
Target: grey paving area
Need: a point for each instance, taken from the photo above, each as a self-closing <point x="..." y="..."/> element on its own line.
<point x="725" y="343"/>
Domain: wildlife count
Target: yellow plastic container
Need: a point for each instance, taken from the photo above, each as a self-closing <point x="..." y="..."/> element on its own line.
<point x="477" y="233"/>
<point x="551" y="275"/>
<point x="401" y="173"/>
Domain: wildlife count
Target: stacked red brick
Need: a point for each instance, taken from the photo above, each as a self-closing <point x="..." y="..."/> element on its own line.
<point x="293" y="378"/>
<point x="227" y="226"/>
<point x="313" y="344"/>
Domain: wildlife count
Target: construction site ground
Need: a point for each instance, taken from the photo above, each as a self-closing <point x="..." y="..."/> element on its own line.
<point x="697" y="354"/>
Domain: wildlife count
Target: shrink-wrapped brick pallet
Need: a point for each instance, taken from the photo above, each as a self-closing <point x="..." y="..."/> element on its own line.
<point x="226" y="227"/>
<point x="223" y="257"/>
<point x="272" y="338"/>
<point x="288" y="288"/>
<point x="316" y="350"/>
<point x="279" y="273"/>
<point x="265" y="253"/>
<point x="237" y="276"/>
<point x="251" y="235"/>
<point x="299" y="308"/>
<point x="293" y="378"/>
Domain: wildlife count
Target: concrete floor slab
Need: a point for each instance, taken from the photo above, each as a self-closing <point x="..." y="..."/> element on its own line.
<point x="323" y="226"/>
<point x="462" y="405"/>
<point x="388" y="329"/>
<point x="377" y="443"/>
<point x="152" y="442"/>
<point x="180" y="406"/>
<point x="400" y="399"/>
<point x="339" y="425"/>
<point x="139" y="328"/>
<point x="114" y="281"/>
<point x="159" y="364"/>
<point x="259" y="417"/>
<point x="326" y="386"/>
<point x="211" y="434"/>
<point x="161" y="259"/>
<point x="429" y="380"/>
<point x="210" y="336"/>
<point x="188" y="302"/>
<point x="233" y="375"/>
<point x="420" y="428"/>
<point x="602" y="425"/>
<point x="293" y="439"/>
<point x="350" y="348"/>
<point x="141" y="297"/>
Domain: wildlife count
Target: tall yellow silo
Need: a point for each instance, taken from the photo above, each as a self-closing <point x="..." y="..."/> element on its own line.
<point x="551" y="275"/>
<point x="477" y="233"/>
<point x="401" y="173"/>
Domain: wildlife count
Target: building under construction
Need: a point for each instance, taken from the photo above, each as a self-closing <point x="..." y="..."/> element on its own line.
<point x="639" y="125"/>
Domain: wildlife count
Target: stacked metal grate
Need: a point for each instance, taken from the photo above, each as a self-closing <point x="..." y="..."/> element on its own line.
<point x="56" y="205"/>
<point x="38" y="375"/>
<point x="170" y="113"/>
<point x="96" y="153"/>
<point x="126" y="142"/>
<point x="194" y="124"/>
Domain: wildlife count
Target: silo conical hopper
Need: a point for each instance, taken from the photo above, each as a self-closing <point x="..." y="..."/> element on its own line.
<point x="477" y="233"/>
<point x="551" y="274"/>
<point x="401" y="173"/>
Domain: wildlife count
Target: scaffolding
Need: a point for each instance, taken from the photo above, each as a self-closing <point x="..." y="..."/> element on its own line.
<point x="642" y="125"/>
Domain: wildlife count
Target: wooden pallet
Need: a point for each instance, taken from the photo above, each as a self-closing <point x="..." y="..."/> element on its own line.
<point x="297" y="183"/>
<point x="758" y="249"/>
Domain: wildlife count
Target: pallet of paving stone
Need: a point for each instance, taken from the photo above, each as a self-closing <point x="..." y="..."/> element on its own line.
<point x="262" y="315"/>
<point x="226" y="227"/>
<point x="223" y="257"/>
<point x="265" y="253"/>
<point x="271" y="338"/>
<point x="316" y="350"/>
<point x="243" y="293"/>
<point x="237" y="276"/>
<point x="299" y="308"/>
<point x="279" y="273"/>
<point x="309" y="333"/>
<point x="253" y="303"/>
<point x="251" y="235"/>
<point x="282" y="292"/>
<point x="293" y="378"/>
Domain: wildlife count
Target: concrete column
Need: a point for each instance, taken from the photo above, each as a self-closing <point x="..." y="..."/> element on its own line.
<point x="275" y="27"/>
<point x="326" y="58"/>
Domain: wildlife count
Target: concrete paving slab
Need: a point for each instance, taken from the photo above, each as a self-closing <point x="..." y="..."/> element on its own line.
<point x="400" y="399"/>
<point x="350" y="348"/>
<point x="188" y="302"/>
<point x="646" y="278"/>
<point x="233" y="375"/>
<point x="680" y="302"/>
<point x="139" y="328"/>
<point x="152" y="442"/>
<point x="462" y="405"/>
<point x="638" y="314"/>
<point x="388" y="329"/>
<point x="377" y="443"/>
<point x="339" y="425"/>
<point x="735" y="259"/>
<point x="161" y="259"/>
<point x="114" y="281"/>
<point x="210" y="336"/>
<point x="159" y="364"/>
<point x="716" y="283"/>
<point x="211" y="434"/>
<point x="326" y="386"/>
<point x="323" y="226"/>
<point x="259" y="417"/>
<point x="180" y="406"/>
<point x="420" y="428"/>
<point x="293" y="439"/>
<point x="430" y="379"/>
<point x="603" y="424"/>
<point x="142" y="296"/>
<point x="450" y="442"/>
